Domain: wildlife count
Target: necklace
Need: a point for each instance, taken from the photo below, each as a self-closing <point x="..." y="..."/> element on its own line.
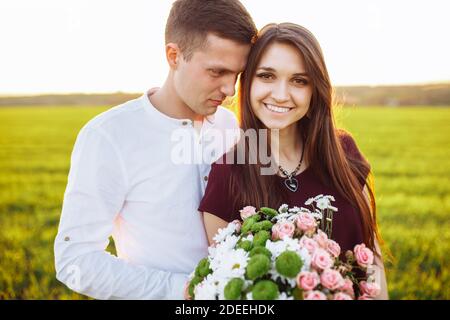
<point x="291" y="182"/>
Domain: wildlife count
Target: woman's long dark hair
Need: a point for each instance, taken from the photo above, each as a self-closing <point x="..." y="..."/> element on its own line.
<point x="323" y="150"/>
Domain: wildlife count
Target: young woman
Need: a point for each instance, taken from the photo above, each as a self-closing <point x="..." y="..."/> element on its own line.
<point x="286" y="86"/>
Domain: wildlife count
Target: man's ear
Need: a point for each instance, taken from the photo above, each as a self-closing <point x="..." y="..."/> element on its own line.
<point x="173" y="55"/>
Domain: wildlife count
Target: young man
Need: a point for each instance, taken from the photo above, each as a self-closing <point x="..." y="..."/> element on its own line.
<point x="124" y="180"/>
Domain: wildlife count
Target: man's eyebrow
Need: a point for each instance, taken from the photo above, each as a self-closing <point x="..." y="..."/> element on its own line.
<point x="223" y="69"/>
<point x="305" y="74"/>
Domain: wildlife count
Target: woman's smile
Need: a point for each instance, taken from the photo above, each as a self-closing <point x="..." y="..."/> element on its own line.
<point x="277" y="109"/>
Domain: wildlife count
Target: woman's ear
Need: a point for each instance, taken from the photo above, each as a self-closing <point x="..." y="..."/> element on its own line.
<point x="173" y="55"/>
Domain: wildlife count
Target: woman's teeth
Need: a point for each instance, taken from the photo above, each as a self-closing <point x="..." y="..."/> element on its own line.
<point x="277" y="109"/>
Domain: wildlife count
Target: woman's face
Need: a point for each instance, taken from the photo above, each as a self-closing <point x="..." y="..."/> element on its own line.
<point x="281" y="91"/>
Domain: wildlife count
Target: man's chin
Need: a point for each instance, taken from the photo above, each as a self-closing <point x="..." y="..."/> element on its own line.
<point x="209" y="111"/>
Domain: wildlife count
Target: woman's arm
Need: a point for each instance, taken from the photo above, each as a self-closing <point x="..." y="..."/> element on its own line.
<point x="212" y="225"/>
<point x="380" y="274"/>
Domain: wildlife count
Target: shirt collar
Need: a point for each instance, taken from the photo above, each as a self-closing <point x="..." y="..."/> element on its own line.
<point x="150" y="108"/>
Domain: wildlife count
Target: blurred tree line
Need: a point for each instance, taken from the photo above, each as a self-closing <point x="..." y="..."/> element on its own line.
<point x="407" y="95"/>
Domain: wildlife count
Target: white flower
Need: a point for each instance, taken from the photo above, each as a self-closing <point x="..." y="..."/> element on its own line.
<point x="207" y="289"/>
<point x="323" y="203"/>
<point x="287" y="216"/>
<point x="283" y="208"/>
<point x="284" y="296"/>
<point x="233" y="264"/>
<point x="309" y="201"/>
<point x="222" y="233"/>
<point x="218" y="253"/>
<point x="295" y="210"/>
<point x="317" y="214"/>
<point x="221" y="284"/>
<point x="278" y="247"/>
<point x="306" y="258"/>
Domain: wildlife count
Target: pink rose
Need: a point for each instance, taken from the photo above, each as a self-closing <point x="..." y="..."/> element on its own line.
<point x="363" y="255"/>
<point x="310" y="244"/>
<point x="333" y="248"/>
<point x="283" y="229"/>
<point x="342" y="296"/>
<point x="321" y="259"/>
<point x="321" y="238"/>
<point x="314" y="295"/>
<point x="371" y="289"/>
<point x="307" y="280"/>
<point x="247" y="212"/>
<point x="238" y="225"/>
<point x="364" y="297"/>
<point x="347" y="287"/>
<point x="331" y="279"/>
<point x="306" y="222"/>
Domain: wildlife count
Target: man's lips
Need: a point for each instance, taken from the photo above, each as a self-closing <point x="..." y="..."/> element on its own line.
<point x="216" y="102"/>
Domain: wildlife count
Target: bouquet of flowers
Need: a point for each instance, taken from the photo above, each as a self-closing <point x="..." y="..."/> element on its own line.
<point x="283" y="254"/>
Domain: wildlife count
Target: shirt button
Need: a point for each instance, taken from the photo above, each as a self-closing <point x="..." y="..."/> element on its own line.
<point x="66" y="238"/>
<point x="184" y="123"/>
<point x="205" y="178"/>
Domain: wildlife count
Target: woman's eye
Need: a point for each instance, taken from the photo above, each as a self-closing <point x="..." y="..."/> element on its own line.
<point x="265" y="76"/>
<point x="301" y="81"/>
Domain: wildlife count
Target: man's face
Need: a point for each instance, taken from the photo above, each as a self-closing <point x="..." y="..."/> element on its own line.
<point x="203" y="82"/>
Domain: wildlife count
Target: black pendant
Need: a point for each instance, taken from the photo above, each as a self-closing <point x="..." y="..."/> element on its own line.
<point x="291" y="184"/>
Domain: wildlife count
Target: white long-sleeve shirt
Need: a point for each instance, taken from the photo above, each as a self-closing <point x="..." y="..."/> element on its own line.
<point x="129" y="178"/>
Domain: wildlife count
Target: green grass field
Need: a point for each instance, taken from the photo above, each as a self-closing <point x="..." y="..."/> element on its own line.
<point x="408" y="149"/>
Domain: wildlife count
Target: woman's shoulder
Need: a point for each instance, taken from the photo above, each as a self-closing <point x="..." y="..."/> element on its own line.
<point x="223" y="169"/>
<point x="349" y="145"/>
<point x="224" y="165"/>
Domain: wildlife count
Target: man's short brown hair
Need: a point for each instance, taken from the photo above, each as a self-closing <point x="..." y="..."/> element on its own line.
<point x="190" y="21"/>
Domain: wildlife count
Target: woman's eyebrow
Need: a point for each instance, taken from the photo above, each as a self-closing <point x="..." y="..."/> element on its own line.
<point x="267" y="69"/>
<point x="305" y="74"/>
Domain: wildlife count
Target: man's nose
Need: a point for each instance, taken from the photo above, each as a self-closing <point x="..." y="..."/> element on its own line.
<point x="228" y="87"/>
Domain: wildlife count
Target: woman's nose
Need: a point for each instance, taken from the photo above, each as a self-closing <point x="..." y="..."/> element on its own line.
<point x="280" y="92"/>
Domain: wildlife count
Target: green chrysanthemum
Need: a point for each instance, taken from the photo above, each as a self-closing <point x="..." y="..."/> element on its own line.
<point x="269" y="212"/>
<point x="248" y="223"/>
<point x="262" y="225"/>
<point x="260" y="239"/>
<point x="203" y="269"/>
<point x="260" y="250"/>
<point x="195" y="281"/>
<point x="265" y="290"/>
<point x="246" y="245"/>
<point x="258" y="266"/>
<point x="288" y="264"/>
<point x="233" y="289"/>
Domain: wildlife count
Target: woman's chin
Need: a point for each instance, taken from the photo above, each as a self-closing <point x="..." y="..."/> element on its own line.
<point x="275" y="125"/>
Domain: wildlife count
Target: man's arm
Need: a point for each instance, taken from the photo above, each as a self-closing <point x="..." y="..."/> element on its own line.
<point x="94" y="196"/>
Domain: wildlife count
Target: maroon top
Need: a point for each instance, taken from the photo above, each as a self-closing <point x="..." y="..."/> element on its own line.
<point x="347" y="229"/>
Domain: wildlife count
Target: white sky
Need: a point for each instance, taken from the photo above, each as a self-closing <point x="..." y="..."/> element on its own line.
<point x="108" y="45"/>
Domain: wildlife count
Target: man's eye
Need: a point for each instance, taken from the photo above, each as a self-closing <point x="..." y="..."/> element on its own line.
<point x="215" y="72"/>
<point x="265" y="76"/>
